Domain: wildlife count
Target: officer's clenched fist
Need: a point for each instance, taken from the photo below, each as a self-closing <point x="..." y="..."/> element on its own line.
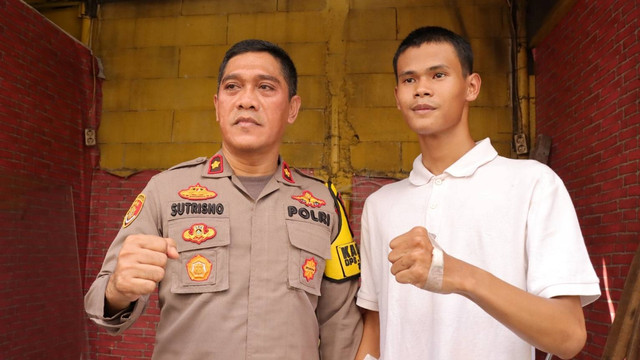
<point x="141" y="265"/>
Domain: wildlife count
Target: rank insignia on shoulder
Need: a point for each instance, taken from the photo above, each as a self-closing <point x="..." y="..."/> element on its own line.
<point x="308" y="199"/>
<point x="286" y="173"/>
<point x="133" y="211"/>
<point x="199" y="268"/>
<point x="309" y="268"/>
<point x="197" y="192"/>
<point x="199" y="233"/>
<point x="216" y="165"/>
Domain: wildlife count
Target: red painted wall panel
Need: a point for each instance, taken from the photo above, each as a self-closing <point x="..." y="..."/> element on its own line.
<point x="588" y="85"/>
<point x="48" y="96"/>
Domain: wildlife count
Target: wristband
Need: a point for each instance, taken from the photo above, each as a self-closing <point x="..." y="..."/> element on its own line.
<point x="436" y="270"/>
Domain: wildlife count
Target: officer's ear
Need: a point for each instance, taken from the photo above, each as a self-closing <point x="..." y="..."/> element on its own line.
<point x="294" y="107"/>
<point x="215" y="104"/>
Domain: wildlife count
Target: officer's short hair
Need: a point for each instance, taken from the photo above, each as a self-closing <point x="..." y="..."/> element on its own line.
<point x="436" y="34"/>
<point x="254" y="45"/>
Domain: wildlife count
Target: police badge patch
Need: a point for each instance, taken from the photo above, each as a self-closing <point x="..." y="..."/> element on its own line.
<point x="134" y="211"/>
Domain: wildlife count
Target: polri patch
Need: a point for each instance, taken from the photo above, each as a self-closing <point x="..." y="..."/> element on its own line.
<point x="199" y="233"/>
<point x="308" y="199"/>
<point x="199" y="268"/>
<point x="133" y="211"/>
<point x="309" y="268"/>
<point x="197" y="192"/>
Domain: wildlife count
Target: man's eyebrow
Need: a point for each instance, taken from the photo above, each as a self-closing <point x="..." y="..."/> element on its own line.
<point x="430" y="68"/>
<point x="269" y="77"/>
<point x="234" y="76"/>
<point x="438" y="67"/>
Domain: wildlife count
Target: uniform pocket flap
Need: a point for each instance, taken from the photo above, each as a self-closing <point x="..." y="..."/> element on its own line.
<point x="310" y="237"/>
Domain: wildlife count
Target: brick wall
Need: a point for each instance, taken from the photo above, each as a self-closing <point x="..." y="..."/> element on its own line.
<point x="111" y="198"/>
<point x="588" y="85"/>
<point x="47" y="97"/>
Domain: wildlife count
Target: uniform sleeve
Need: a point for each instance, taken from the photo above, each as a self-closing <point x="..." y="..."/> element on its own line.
<point x="559" y="264"/>
<point x="339" y="319"/>
<point x="142" y="218"/>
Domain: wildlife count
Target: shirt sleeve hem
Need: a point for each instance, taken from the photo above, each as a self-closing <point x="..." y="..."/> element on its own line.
<point x="588" y="292"/>
<point x="366" y="304"/>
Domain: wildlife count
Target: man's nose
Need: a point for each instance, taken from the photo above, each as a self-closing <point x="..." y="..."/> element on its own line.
<point x="248" y="99"/>
<point x="423" y="88"/>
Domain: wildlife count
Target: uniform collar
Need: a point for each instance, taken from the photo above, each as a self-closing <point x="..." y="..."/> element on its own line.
<point x="218" y="166"/>
<point x="482" y="153"/>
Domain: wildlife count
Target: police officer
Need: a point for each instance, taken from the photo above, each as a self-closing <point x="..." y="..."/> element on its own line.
<point x="252" y="260"/>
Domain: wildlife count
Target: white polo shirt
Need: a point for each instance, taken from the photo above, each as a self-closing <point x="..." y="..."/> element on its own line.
<point x="512" y="218"/>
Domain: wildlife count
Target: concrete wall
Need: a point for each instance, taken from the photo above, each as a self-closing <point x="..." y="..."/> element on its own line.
<point x="161" y="60"/>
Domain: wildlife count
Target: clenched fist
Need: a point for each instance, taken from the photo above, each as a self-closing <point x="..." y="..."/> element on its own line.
<point x="412" y="255"/>
<point x="141" y="266"/>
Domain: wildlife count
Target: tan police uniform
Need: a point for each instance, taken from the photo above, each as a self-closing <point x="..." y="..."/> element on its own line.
<point x="263" y="279"/>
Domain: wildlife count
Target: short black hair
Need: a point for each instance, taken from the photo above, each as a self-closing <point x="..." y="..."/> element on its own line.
<point x="436" y="34"/>
<point x="254" y="45"/>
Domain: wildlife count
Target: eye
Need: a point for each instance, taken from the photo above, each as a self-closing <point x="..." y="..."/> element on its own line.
<point x="265" y="87"/>
<point x="231" y="86"/>
<point x="439" y="75"/>
<point x="409" y="80"/>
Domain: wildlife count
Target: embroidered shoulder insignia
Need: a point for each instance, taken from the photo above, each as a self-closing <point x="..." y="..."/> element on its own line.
<point x="286" y="173"/>
<point x="199" y="233"/>
<point x="197" y="192"/>
<point x="215" y="165"/>
<point x="199" y="268"/>
<point x="309" y="268"/>
<point x="133" y="211"/>
<point x="308" y="199"/>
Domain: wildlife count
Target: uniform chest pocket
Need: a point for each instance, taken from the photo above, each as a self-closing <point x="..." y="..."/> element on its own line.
<point x="310" y="247"/>
<point x="203" y="245"/>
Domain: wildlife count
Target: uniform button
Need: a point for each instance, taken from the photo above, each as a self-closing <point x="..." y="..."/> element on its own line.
<point x="438" y="181"/>
<point x="434" y="205"/>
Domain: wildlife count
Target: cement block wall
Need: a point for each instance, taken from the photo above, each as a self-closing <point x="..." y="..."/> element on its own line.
<point x="161" y="60"/>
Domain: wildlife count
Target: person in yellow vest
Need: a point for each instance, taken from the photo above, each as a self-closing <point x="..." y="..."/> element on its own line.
<point x="252" y="259"/>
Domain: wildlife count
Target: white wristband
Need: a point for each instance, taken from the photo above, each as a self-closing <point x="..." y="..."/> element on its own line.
<point x="436" y="270"/>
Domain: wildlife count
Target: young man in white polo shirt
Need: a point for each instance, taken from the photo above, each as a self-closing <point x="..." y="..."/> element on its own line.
<point x="474" y="256"/>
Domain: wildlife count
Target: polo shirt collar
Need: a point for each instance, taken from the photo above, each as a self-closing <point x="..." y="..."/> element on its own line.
<point x="482" y="153"/>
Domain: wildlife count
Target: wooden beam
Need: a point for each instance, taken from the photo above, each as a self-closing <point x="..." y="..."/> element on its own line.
<point x="624" y="334"/>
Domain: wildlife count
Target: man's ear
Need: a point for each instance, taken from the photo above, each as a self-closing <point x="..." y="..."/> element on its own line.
<point x="395" y="94"/>
<point x="215" y="104"/>
<point x="294" y="107"/>
<point x="473" y="86"/>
